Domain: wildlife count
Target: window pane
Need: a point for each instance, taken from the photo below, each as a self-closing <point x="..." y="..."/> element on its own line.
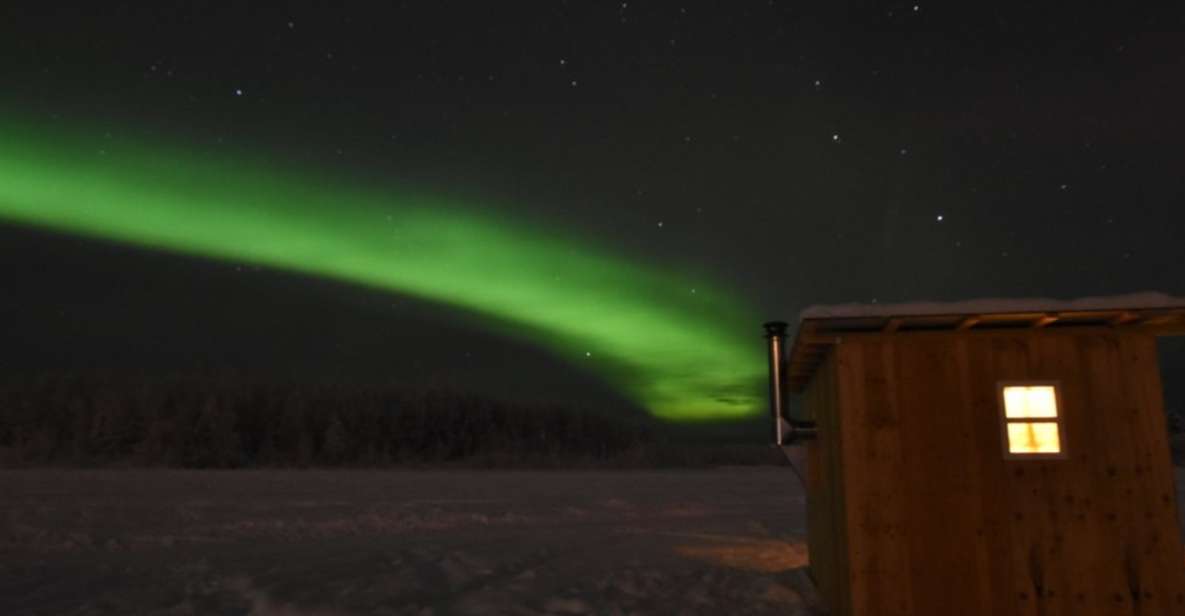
<point x="1041" y="437"/>
<point x="1029" y="402"/>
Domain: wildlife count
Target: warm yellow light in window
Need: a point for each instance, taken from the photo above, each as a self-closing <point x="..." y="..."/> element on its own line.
<point x="1033" y="437"/>
<point x="1030" y="402"/>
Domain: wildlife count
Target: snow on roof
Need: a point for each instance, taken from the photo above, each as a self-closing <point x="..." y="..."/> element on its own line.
<point x="1132" y="301"/>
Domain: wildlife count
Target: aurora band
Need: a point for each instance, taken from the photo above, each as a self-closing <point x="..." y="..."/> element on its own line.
<point x="680" y="348"/>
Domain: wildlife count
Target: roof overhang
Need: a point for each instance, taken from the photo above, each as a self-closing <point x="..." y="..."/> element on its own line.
<point x="820" y="327"/>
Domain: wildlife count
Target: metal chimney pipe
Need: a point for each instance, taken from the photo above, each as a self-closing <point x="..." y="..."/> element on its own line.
<point x="775" y="333"/>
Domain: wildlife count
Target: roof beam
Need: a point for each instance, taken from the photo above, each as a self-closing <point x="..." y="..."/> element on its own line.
<point x="893" y="325"/>
<point x="969" y="322"/>
<point x="1161" y="319"/>
<point x="1124" y="317"/>
<point x="1044" y="320"/>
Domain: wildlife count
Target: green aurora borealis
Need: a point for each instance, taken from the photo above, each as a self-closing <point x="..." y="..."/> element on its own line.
<point x="683" y="349"/>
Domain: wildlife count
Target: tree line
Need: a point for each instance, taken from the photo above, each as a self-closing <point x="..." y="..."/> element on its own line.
<point x="215" y="422"/>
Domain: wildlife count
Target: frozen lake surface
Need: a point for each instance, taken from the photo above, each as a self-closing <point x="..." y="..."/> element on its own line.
<point x="402" y="542"/>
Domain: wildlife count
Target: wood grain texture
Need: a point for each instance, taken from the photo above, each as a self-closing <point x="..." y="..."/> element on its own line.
<point x="876" y="504"/>
<point x="826" y="541"/>
<point x="928" y="517"/>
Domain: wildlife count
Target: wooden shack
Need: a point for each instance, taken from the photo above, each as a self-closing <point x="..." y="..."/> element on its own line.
<point x="990" y="458"/>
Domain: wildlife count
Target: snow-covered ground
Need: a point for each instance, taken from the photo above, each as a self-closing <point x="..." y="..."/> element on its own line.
<point x="402" y="542"/>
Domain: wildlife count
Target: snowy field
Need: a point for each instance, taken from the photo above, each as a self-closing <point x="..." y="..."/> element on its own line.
<point x="402" y="542"/>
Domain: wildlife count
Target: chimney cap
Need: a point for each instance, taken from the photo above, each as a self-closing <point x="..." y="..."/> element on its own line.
<point x="775" y="328"/>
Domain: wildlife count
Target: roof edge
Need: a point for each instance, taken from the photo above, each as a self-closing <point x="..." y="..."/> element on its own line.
<point x="1144" y="300"/>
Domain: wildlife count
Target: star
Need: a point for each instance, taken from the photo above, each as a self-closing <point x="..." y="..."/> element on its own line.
<point x="238" y="91"/>
<point x="940" y="218"/>
<point x="660" y="224"/>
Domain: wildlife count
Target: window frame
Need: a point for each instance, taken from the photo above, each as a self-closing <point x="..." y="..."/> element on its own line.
<point x="1059" y="420"/>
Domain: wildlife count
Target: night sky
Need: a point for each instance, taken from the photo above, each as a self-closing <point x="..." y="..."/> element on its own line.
<point x="782" y="154"/>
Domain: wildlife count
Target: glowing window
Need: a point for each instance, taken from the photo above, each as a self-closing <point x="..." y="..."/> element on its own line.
<point x="1032" y="421"/>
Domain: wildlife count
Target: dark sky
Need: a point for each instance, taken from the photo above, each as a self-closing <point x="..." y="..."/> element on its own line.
<point x="804" y="152"/>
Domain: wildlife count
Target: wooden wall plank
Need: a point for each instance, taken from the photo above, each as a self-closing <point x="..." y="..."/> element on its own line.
<point x="825" y="511"/>
<point x="944" y="501"/>
<point x="1113" y="471"/>
<point x="1069" y="540"/>
<point x="1155" y="556"/>
<point x="819" y="532"/>
<point x="874" y="495"/>
<point x="1025" y="565"/>
<point x="982" y="354"/>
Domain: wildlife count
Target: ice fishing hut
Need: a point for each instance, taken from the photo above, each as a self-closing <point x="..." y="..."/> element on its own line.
<point x="990" y="457"/>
